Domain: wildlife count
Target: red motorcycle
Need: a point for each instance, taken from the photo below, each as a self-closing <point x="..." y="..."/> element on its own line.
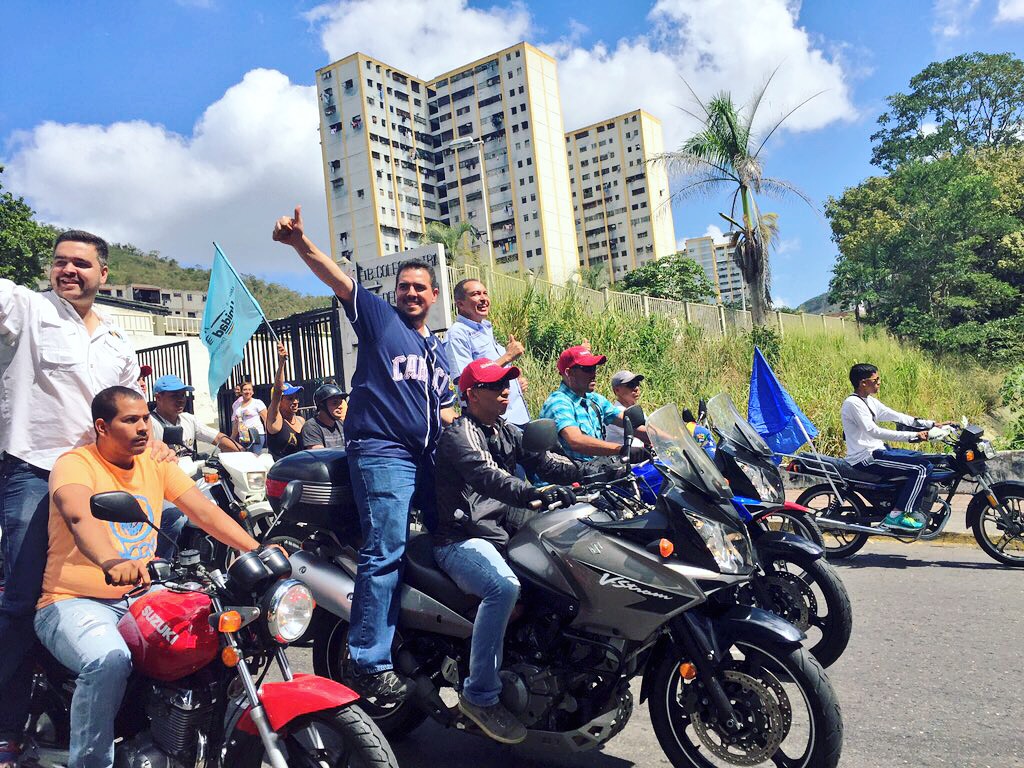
<point x="201" y="648"/>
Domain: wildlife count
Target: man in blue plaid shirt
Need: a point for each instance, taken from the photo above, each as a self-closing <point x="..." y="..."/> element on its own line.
<point x="581" y="414"/>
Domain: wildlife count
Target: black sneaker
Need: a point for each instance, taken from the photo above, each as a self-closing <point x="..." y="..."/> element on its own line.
<point x="496" y="721"/>
<point x="382" y="689"/>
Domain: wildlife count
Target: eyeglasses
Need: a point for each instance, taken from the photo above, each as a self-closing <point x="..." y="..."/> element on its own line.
<point x="586" y="368"/>
<point x="493" y="386"/>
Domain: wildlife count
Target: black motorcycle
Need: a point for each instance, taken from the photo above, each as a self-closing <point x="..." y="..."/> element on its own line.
<point x="612" y="589"/>
<point x="851" y="503"/>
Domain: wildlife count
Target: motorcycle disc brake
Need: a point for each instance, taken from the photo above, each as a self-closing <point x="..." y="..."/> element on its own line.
<point x="765" y="725"/>
<point x="792" y="599"/>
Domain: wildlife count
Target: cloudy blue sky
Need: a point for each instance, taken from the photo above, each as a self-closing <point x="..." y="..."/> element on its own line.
<point x="171" y="124"/>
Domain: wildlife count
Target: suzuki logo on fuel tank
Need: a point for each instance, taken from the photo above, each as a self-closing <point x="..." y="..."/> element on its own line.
<point x="157" y="623"/>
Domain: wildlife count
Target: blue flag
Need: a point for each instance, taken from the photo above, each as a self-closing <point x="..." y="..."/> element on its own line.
<point x="772" y="413"/>
<point x="231" y="318"/>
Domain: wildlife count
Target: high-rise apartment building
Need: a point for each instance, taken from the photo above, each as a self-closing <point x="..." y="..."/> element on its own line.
<point x="620" y="200"/>
<point x="716" y="257"/>
<point x="485" y="144"/>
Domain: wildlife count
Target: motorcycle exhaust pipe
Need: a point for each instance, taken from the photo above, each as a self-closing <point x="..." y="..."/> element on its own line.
<point x="332" y="588"/>
<point x="837" y="525"/>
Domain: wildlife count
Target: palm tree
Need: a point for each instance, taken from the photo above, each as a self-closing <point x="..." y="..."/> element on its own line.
<point x="725" y="152"/>
<point x="595" y="276"/>
<point x="454" y="240"/>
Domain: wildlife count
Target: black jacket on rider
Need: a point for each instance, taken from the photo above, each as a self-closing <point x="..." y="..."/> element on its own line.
<point x="476" y="484"/>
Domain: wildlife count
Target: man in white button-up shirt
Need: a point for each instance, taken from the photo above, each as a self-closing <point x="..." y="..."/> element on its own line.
<point x="60" y="352"/>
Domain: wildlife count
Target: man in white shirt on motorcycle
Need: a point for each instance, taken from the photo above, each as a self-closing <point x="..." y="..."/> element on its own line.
<point x="866" y="449"/>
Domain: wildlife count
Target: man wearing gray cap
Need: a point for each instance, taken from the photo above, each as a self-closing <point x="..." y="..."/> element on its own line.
<point x="626" y="388"/>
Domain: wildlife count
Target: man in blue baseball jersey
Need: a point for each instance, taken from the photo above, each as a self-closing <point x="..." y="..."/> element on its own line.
<point x="401" y="397"/>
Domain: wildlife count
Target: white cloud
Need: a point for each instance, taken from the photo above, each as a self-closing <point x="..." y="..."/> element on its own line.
<point x="714" y="231"/>
<point x="255" y="150"/>
<point x="421" y="37"/>
<point x="1010" y="10"/>
<point x="788" y="246"/>
<point x="951" y="17"/>
<point x="251" y="154"/>
<point x="685" y="41"/>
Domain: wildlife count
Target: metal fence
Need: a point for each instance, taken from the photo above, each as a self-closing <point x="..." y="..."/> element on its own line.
<point x="713" y="319"/>
<point x="165" y="360"/>
<point x="313" y="340"/>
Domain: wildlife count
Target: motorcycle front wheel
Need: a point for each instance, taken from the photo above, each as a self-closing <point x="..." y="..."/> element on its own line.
<point x="1000" y="539"/>
<point x="807" y="592"/>
<point x="821" y="500"/>
<point x="330" y="659"/>
<point x="789" y="711"/>
<point x="343" y="738"/>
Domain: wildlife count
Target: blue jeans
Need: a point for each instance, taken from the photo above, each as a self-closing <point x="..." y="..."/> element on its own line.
<point x="383" y="488"/>
<point x="24" y="514"/>
<point x="899" y="462"/>
<point x="172" y="521"/>
<point x="82" y="635"/>
<point x="477" y="567"/>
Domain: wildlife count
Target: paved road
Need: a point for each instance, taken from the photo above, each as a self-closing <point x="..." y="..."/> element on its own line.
<point x="932" y="676"/>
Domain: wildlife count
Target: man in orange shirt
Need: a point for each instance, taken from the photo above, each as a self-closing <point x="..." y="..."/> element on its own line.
<point x="92" y="564"/>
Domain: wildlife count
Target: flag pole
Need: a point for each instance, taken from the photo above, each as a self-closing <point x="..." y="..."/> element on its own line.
<point x="810" y="442"/>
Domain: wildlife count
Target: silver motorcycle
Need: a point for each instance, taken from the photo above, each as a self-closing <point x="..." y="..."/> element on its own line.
<point x="612" y="590"/>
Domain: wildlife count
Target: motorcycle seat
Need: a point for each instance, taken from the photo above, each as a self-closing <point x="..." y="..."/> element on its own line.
<point x="423" y="573"/>
<point x="845" y="469"/>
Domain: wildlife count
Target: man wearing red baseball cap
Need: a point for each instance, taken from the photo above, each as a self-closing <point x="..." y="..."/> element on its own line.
<point x="477" y="457"/>
<point x="580" y="413"/>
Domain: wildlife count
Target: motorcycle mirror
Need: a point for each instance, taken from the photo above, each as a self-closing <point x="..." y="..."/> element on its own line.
<point x="291" y="494"/>
<point x="174" y="436"/>
<point x="635" y="416"/>
<point x="117" y="507"/>
<point x="540" y="435"/>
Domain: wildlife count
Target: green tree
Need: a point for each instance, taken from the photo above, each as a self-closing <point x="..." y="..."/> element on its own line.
<point x="25" y="244"/>
<point x="726" y="154"/>
<point x="455" y="239"/>
<point x="675" y="277"/>
<point x="935" y="252"/>
<point x="973" y="100"/>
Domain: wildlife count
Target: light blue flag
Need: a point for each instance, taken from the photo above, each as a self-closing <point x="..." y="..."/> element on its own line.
<point x="773" y="413"/>
<point x="231" y="317"/>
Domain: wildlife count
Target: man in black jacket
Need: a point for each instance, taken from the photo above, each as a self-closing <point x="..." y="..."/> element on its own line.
<point x="477" y="492"/>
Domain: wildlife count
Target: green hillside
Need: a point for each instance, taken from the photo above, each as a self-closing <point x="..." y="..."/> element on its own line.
<point x="819" y="305"/>
<point x="130" y="265"/>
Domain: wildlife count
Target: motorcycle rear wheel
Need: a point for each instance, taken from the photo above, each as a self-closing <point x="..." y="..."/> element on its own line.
<point x="330" y="659"/>
<point x="838" y="544"/>
<point x="769" y="682"/>
<point x="342" y="738"/>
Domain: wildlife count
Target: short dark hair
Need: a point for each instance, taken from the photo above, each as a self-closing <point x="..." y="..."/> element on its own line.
<point x="861" y="371"/>
<point x="416" y="264"/>
<point x="459" y="291"/>
<point x="81" y="236"/>
<point x="104" y="405"/>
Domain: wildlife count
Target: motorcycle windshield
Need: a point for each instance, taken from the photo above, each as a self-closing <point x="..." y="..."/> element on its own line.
<point x="680" y="452"/>
<point x="732" y="426"/>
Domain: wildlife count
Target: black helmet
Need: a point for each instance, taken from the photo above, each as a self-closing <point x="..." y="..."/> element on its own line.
<point x="325" y="392"/>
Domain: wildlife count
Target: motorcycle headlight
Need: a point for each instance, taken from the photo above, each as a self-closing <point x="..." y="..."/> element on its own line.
<point x="289" y="610"/>
<point x="731" y="550"/>
<point x="987" y="449"/>
<point x="762" y="482"/>
<point x="256" y="481"/>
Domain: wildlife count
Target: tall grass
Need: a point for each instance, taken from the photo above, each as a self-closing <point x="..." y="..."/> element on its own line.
<point x="683" y="364"/>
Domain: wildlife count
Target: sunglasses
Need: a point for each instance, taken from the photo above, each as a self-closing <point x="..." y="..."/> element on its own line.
<point x="586" y="368"/>
<point x="493" y="386"/>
